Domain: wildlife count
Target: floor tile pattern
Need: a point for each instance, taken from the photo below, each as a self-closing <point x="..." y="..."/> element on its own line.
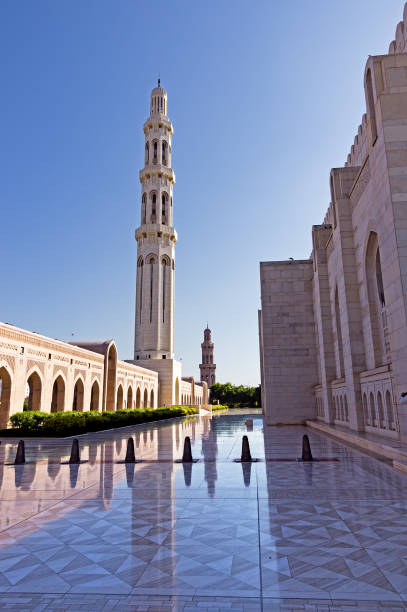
<point x="214" y="535"/>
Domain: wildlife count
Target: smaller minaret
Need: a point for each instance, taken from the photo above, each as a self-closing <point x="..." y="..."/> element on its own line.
<point x="207" y="367"/>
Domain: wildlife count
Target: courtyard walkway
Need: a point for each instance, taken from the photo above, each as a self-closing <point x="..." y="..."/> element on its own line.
<point x="216" y="535"/>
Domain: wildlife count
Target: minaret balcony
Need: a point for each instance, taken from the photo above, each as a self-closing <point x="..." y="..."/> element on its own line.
<point x="158" y="120"/>
<point x="156" y="229"/>
<point x="157" y="170"/>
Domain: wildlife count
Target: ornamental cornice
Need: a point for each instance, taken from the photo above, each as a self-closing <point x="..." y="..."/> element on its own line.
<point x="23" y="337"/>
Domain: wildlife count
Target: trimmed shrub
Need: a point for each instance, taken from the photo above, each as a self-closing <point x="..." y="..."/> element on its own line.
<point x="219" y="407"/>
<point x="74" y="423"/>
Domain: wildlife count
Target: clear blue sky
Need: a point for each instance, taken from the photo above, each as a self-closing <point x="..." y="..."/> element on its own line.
<point x="265" y="97"/>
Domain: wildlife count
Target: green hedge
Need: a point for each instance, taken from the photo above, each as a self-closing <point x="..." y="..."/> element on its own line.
<point x="32" y="423"/>
<point x="219" y="407"/>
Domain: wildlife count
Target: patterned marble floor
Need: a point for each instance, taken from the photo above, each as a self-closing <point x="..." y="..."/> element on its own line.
<point x="214" y="535"/>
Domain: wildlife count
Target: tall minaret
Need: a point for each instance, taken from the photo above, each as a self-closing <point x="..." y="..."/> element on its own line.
<point x="156" y="238"/>
<point x="207" y="367"/>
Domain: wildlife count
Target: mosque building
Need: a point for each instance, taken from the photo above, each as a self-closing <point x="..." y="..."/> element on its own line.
<point x="333" y="328"/>
<point x="88" y="375"/>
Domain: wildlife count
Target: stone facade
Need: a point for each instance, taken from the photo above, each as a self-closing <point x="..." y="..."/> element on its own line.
<point x="58" y="376"/>
<point x="344" y="311"/>
<point x="207" y="367"/>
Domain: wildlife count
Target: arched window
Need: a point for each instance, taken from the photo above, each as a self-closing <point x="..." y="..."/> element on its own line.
<point x="379" y="279"/>
<point x="164" y="153"/>
<point x="380" y="341"/>
<point x="145" y="400"/>
<point x="147" y="155"/>
<point x="164" y="200"/>
<point x="341" y="415"/>
<point x="151" y="262"/>
<point x="152" y="399"/>
<point x="390" y="413"/>
<point x="164" y="274"/>
<point x="153" y="208"/>
<point x="138" y="398"/>
<point x="346" y="409"/>
<point x="371" y="113"/>
<point x="155" y="152"/>
<point x="340" y="364"/>
<point x="144" y="209"/>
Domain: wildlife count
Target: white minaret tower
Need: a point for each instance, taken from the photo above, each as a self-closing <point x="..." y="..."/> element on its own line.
<point x="156" y="238"/>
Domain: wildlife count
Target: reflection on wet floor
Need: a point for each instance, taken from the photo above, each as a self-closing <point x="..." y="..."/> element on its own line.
<point x="329" y="530"/>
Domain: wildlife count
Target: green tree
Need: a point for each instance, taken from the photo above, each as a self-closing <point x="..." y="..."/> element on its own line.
<point x="235" y="395"/>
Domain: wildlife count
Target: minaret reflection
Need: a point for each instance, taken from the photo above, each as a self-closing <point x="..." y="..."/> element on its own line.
<point x="210" y="452"/>
<point x="53" y="468"/>
<point x="24" y="475"/>
<point x="93" y="453"/>
<point x="106" y="473"/>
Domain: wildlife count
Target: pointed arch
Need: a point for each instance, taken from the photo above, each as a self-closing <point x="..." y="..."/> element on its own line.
<point x="111" y="378"/>
<point x="5" y="395"/>
<point x="152" y="398"/>
<point x="78" y="392"/>
<point x="129" y="404"/>
<point x="177" y="391"/>
<point x="376" y="301"/>
<point x="145" y="399"/>
<point x="389" y="411"/>
<point x="94" y="396"/>
<point x="119" y="400"/>
<point x="372" y="406"/>
<point x="138" y="398"/>
<point x="34" y="382"/>
<point x="371" y="112"/>
<point x="58" y="394"/>
<point x="339" y="342"/>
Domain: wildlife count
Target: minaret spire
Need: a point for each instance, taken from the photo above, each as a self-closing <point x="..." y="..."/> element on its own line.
<point x="156" y="238"/>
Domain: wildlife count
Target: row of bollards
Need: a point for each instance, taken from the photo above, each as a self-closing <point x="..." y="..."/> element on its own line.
<point x="186" y="456"/>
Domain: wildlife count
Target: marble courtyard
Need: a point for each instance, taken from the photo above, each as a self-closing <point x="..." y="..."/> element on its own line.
<point x="215" y="535"/>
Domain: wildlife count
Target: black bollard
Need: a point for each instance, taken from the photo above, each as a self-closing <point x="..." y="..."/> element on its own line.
<point x="130" y="456"/>
<point x="75" y="456"/>
<point x="20" y="455"/>
<point x="246" y="456"/>
<point x="306" y="449"/>
<point x="187" y="456"/>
